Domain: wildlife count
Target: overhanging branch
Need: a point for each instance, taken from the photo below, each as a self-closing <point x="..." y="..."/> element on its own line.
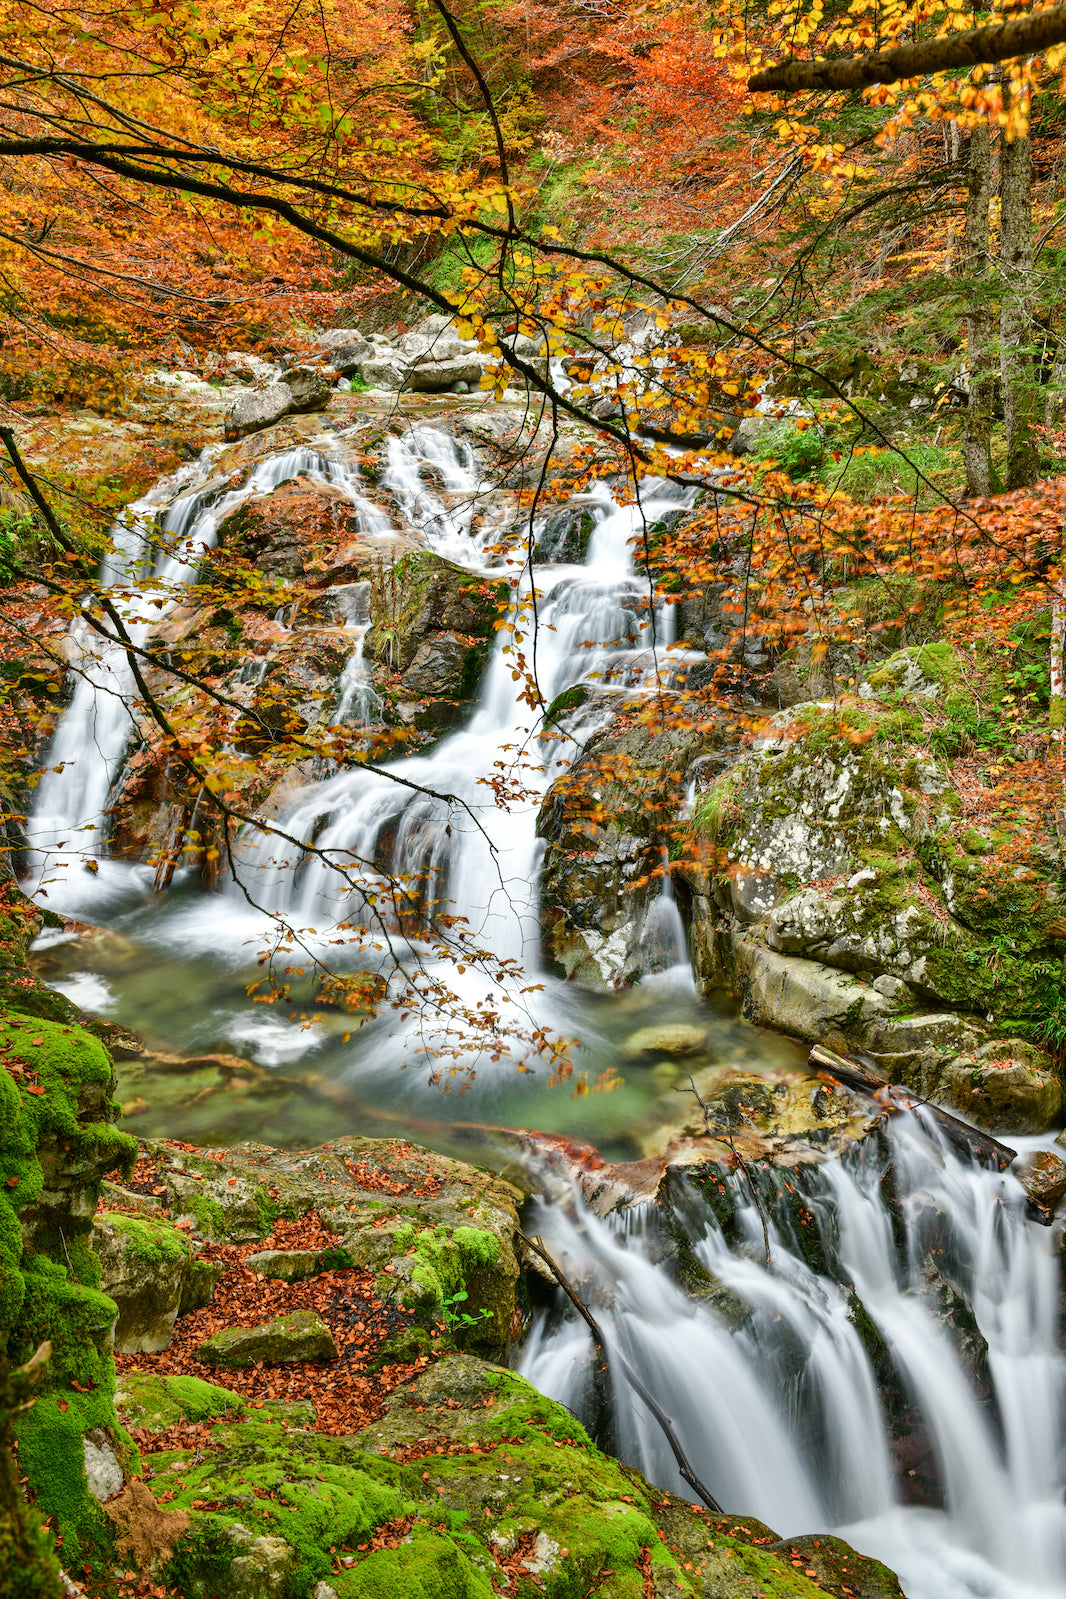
<point x="979" y="46"/>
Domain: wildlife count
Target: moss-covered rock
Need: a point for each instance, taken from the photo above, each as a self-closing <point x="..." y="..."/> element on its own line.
<point x="471" y="1479"/>
<point x="143" y="1267"/>
<point x="301" y="1335"/>
<point x="836" y="886"/>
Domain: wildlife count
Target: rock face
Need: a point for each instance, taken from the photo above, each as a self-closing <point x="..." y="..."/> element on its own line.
<point x="860" y="909"/>
<point x="607" y="825"/>
<point x="299" y="1336"/>
<point x="143" y="1267"/>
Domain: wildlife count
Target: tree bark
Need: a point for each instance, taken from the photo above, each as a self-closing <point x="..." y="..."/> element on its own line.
<point x="1023" y="36"/>
<point x="1057" y="702"/>
<point x="1021" y="394"/>
<point x="976" y="451"/>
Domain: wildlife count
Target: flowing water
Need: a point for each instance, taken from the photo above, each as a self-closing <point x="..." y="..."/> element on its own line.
<point x="816" y="1391"/>
<point x="904" y="1387"/>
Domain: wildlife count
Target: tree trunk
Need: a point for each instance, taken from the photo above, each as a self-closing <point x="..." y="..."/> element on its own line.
<point x="1021" y="395"/>
<point x="1057" y="705"/>
<point x="976" y="453"/>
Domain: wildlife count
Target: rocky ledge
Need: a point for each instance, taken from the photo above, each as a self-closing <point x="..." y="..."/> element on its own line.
<point x="354" y="1298"/>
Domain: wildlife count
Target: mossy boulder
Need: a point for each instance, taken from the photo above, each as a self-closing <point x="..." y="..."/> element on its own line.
<point x="422" y="595"/>
<point x="301" y="1335"/>
<point x="836" y="886"/>
<point x="469" y="1480"/>
<point x="57" y="1141"/>
<point x="143" y="1266"/>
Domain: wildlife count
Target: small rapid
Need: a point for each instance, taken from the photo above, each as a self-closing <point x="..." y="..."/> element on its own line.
<point x="898" y="1380"/>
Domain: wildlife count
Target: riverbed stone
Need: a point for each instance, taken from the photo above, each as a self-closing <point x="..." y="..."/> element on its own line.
<point x="301" y="1335"/>
<point x="667" y="1038"/>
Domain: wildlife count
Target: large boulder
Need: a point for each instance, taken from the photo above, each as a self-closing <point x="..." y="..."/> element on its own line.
<point x="469" y="1482"/>
<point x="304" y="389"/>
<point x="143" y="1265"/>
<point x="258" y="408"/>
<point x="838" y="887"/>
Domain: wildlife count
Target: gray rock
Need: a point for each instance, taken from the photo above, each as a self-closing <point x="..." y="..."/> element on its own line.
<point x="285" y="1265"/>
<point x="309" y="388"/>
<point x="749" y="432"/>
<point x="103" y="1474"/>
<point x="142" y="1267"/>
<point x="431" y="377"/>
<point x="383" y="372"/>
<point x="299" y="1336"/>
<point x="347" y="359"/>
<point x="258" y="408"/>
<point x="442" y="668"/>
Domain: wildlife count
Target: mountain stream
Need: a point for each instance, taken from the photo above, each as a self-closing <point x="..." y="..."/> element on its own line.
<point x="901" y="1384"/>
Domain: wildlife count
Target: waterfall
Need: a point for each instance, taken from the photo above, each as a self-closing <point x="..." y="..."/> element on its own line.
<point x="778" y="1382"/>
<point x="155" y="550"/>
<point x="457" y="824"/>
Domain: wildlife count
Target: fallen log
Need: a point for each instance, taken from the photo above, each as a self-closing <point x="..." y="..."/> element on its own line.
<point x="979" y="1146"/>
<point x="628" y="1373"/>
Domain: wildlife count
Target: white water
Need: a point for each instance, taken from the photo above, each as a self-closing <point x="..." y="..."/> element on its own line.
<point x="154" y="553"/>
<point x="781" y="1417"/>
<point x="456" y="825"/>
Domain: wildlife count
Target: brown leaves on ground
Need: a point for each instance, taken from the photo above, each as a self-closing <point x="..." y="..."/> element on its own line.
<point x="346" y="1396"/>
<point x="145" y="1532"/>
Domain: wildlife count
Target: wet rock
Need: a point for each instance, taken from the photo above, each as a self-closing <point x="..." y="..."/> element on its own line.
<point x="142" y="1267"/>
<point x="1043" y="1176"/>
<point x="299" y="1336"/>
<point x="668" y="1038"/>
<point x="1004" y="1088"/>
<point x="607" y="823"/>
<point x="447" y="665"/>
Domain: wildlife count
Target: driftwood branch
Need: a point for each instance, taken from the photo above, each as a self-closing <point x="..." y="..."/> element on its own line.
<point x="630" y="1375"/>
<point x="862" y="1080"/>
<point x="1023" y="36"/>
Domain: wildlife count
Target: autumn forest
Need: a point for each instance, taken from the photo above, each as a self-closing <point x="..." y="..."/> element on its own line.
<point x="533" y="886"/>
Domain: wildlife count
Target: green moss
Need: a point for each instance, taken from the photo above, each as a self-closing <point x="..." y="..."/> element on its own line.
<point x="428" y="1567"/>
<point x="154" y="1242"/>
<point x="308" y="1490"/>
<point x="51" y="1456"/>
<point x="157" y="1402"/>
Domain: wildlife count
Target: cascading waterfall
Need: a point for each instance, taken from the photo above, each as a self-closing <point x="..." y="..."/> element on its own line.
<point x="784" y="1393"/>
<point x="776" y="1395"/>
<point x="147" y="567"/>
<point x="370" y="826"/>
